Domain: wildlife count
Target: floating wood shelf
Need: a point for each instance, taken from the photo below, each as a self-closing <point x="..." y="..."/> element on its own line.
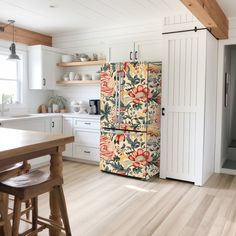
<point x="88" y="82"/>
<point x="80" y="63"/>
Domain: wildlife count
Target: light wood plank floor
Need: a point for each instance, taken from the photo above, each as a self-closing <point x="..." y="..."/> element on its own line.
<point x="102" y="204"/>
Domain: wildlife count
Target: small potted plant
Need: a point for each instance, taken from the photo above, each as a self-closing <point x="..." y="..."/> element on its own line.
<point x="57" y="103"/>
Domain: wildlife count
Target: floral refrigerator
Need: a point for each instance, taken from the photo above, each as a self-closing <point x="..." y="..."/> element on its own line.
<point x="130" y="119"/>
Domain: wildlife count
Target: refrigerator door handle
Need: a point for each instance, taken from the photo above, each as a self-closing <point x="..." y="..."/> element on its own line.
<point x="119" y="97"/>
<point x="130" y="55"/>
<point x="116" y="98"/>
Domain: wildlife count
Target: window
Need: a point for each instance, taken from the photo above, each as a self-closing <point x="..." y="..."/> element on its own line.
<point x="10" y="78"/>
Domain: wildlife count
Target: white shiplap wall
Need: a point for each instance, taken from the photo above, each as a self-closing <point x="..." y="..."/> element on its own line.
<point x="98" y="41"/>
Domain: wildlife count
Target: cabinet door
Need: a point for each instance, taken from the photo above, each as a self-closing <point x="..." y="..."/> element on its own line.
<point x="149" y="51"/>
<point x="43" y="71"/>
<point x="68" y="130"/>
<point x="56" y="125"/>
<point x="85" y="153"/>
<point x="34" y="124"/>
<point x="121" y="52"/>
<point x="51" y="72"/>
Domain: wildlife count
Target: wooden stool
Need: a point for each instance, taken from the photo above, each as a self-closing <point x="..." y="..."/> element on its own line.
<point x="5" y="173"/>
<point x="30" y="186"/>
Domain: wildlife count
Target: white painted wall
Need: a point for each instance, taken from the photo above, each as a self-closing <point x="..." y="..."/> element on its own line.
<point x="31" y="99"/>
<point x="210" y="107"/>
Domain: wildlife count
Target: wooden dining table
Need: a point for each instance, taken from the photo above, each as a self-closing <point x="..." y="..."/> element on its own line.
<point x="19" y="145"/>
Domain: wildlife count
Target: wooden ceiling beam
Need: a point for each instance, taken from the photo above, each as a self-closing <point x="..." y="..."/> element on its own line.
<point x="25" y="36"/>
<point x="210" y="15"/>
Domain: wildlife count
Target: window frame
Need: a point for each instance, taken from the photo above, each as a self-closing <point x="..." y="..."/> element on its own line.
<point x="19" y="75"/>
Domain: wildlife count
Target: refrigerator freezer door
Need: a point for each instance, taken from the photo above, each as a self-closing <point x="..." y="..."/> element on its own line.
<point x="109" y="96"/>
<point x="133" y="154"/>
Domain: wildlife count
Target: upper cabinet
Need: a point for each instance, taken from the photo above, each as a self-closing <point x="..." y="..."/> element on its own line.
<point x="43" y="71"/>
<point x="136" y="51"/>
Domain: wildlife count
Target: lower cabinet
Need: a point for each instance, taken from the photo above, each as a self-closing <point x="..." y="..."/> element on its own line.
<point x="67" y="129"/>
<point x="42" y="124"/>
<point x="86" y="153"/>
<point x="87" y="138"/>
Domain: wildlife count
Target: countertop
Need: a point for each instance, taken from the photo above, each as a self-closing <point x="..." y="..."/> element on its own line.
<point x="40" y="115"/>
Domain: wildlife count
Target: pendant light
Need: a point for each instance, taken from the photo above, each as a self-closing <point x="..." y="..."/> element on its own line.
<point x="13" y="55"/>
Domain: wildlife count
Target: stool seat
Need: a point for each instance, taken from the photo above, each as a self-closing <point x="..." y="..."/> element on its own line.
<point x="30" y="185"/>
<point x="6" y="172"/>
<point x="10" y="167"/>
<point x="14" y="170"/>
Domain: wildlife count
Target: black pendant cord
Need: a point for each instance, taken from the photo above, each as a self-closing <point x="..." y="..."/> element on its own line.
<point x="190" y="30"/>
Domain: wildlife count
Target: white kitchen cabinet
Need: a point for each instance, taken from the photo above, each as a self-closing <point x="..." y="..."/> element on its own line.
<point x="43" y="72"/>
<point x="136" y="51"/>
<point x="87" y="138"/>
<point x="56" y="125"/>
<point x="31" y="124"/>
<point x="188" y="106"/>
<point x="67" y="129"/>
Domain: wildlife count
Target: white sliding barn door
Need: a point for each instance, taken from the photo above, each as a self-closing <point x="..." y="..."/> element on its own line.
<point x="182" y="126"/>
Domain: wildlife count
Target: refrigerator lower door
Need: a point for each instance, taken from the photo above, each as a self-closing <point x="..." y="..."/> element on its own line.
<point x="134" y="154"/>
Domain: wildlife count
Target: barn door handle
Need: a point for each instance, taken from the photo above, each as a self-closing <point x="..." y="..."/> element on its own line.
<point x="163" y="111"/>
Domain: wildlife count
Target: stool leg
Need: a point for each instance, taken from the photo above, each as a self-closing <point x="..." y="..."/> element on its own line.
<point x="64" y="214"/>
<point x="34" y="213"/>
<point x="6" y="230"/>
<point x="16" y="217"/>
<point x="27" y="205"/>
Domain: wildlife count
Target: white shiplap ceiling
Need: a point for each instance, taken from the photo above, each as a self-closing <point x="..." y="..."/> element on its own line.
<point x="75" y="15"/>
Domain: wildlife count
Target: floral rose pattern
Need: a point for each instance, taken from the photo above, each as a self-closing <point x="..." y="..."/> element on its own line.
<point x="106" y="148"/>
<point x="107" y="84"/>
<point x="133" y="154"/>
<point x="140" y="157"/>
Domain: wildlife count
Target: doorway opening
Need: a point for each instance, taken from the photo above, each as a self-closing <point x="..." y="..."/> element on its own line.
<point x="229" y="109"/>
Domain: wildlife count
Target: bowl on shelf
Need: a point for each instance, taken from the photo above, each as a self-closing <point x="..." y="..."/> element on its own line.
<point x="84" y="59"/>
<point x="66" y="58"/>
<point x="86" y="77"/>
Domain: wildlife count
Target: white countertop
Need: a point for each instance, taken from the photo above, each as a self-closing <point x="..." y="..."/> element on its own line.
<point x="38" y="115"/>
